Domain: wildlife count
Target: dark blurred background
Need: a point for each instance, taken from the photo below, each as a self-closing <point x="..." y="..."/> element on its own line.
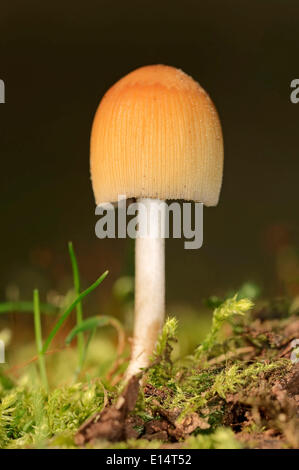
<point x="57" y="60"/>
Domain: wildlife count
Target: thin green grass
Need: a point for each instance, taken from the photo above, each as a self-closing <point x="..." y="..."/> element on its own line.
<point x="91" y="324"/>
<point x="67" y="312"/>
<point x="79" y="309"/>
<point x="39" y="340"/>
<point x="26" y="307"/>
<point x="37" y="308"/>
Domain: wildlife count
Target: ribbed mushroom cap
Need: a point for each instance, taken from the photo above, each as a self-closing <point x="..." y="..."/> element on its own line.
<point x="157" y="134"/>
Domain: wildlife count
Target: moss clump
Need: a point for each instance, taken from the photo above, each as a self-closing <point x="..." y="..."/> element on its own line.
<point x="237" y="376"/>
<point x="30" y="418"/>
<point x="161" y="370"/>
<point x="188" y="387"/>
<point x="223" y="313"/>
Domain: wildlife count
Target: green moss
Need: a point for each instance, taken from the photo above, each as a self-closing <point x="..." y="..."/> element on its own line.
<point x="68" y="407"/>
<point x="222" y="438"/>
<point x="224" y="312"/>
<point x="161" y="370"/>
<point x="231" y="379"/>
<point x="29" y="417"/>
<point x="190" y="388"/>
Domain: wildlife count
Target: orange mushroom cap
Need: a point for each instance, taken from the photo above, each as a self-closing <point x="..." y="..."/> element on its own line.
<point x="157" y="134"/>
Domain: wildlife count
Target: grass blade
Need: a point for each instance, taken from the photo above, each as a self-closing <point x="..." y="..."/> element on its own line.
<point x="8" y="307"/>
<point x="64" y="316"/>
<point x="89" y="324"/>
<point x="79" y="309"/>
<point x="39" y="340"/>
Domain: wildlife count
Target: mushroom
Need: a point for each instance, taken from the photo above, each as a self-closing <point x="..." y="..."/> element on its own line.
<point x="156" y="135"/>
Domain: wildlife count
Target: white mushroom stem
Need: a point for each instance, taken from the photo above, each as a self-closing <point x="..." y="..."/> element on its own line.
<point x="149" y="283"/>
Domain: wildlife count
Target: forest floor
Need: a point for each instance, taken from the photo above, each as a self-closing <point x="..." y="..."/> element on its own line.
<point x="238" y="389"/>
